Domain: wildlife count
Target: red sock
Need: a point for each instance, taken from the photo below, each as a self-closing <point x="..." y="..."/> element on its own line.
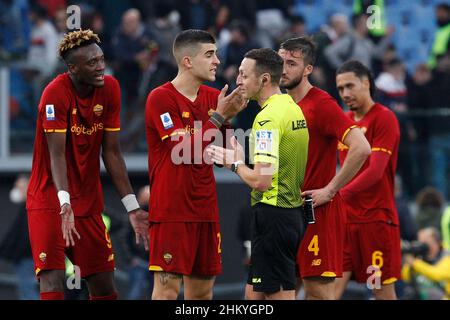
<point x="110" y="297"/>
<point x="52" y="295"/>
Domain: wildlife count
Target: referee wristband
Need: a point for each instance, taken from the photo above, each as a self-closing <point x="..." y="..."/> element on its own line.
<point x="130" y="203"/>
<point x="217" y="119"/>
<point x="64" y="197"/>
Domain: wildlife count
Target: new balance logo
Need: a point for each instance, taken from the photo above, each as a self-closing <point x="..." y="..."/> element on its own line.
<point x="316" y="262"/>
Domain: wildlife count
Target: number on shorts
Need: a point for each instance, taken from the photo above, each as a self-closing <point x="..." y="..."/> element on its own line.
<point x="314" y="245"/>
<point x="377" y="259"/>
<point x="219" y="238"/>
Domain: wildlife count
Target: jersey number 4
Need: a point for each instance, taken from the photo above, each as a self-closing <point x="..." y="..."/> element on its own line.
<point x="314" y="245"/>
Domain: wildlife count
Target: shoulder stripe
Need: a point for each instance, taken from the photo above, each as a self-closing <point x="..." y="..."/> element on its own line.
<point x="383" y="150"/>
<point x="112" y="129"/>
<point x="182" y="133"/>
<point x="347" y="131"/>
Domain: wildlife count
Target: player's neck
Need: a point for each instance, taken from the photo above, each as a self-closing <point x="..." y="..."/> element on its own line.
<point x="82" y="90"/>
<point x="187" y="85"/>
<point x="300" y="91"/>
<point x="267" y="93"/>
<point x="361" y="112"/>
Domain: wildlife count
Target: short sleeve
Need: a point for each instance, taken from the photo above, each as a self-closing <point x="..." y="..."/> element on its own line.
<point x="266" y="134"/>
<point x="161" y="113"/>
<point x="387" y="134"/>
<point x="112" y="117"/>
<point x="55" y="105"/>
<point x="335" y="122"/>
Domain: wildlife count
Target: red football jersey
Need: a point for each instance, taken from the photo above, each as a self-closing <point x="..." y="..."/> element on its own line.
<point x="327" y="124"/>
<point x="181" y="192"/>
<point x="376" y="203"/>
<point x="84" y="120"/>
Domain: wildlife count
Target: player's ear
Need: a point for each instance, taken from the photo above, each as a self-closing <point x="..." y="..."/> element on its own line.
<point x="186" y="62"/>
<point x="366" y="83"/>
<point x="308" y="70"/>
<point x="72" y="68"/>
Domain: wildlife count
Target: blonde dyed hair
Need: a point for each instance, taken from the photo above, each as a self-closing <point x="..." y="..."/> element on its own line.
<point x="76" y="39"/>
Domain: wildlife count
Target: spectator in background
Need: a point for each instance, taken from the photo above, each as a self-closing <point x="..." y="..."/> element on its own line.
<point x="391" y="84"/>
<point x="164" y="28"/>
<point x="161" y="68"/>
<point x="52" y="6"/>
<point x="60" y="22"/>
<point x="15" y="246"/>
<point x="296" y="28"/>
<point x="240" y="42"/>
<point x="271" y="21"/>
<point x="338" y="26"/>
<point x="429" y="274"/>
<point x="439" y="144"/>
<point x="418" y="99"/>
<point x="356" y="45"/>
<point x="418" y="87"/>
<point x="408" y="227"/>
<point x="14" y="29"/>
<point x="377" y="31"/>
<point x="392" y="92"/>
<point x="221" y="20"/>
<point x="441" y="44"/>
<point x="196" y="14"/>
<point x="430" y="203"/>
<point x="130" y="46"/>
<point x="323" y="73"/>
<point x="42" y="55"/>
<point x="140" y="279"/>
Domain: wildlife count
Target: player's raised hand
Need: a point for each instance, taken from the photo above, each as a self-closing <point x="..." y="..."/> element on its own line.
<point x="139" y="222"/>
<point x="230" y="105"/>
<point x="68" y="225"/>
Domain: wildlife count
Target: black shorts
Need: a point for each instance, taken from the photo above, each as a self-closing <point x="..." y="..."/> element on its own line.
<point x="276" y="235"/>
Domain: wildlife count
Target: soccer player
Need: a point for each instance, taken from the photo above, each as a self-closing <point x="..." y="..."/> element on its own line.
<point x="182" y="117"/>
<point x="372" y="236"/>
<point x="78" y="116"/>
<point x="320" y="254"/>
<point x="279" y="144"/>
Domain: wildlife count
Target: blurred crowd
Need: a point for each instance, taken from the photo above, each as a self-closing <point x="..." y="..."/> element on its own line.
<point x="137" y="40"/>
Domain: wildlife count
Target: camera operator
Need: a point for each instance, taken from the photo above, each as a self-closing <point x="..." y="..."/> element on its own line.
<point x="425" y="266"/>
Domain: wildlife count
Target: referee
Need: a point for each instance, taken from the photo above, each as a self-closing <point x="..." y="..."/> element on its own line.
<point x="279" y="148"/>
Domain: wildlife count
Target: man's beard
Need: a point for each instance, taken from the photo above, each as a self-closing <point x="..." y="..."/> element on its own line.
<point x="293" y="83"/>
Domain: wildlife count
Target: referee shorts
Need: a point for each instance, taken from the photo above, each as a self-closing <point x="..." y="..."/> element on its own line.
<point x="276" y="235"/>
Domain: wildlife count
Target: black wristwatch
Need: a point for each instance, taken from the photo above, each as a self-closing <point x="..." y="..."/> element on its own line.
<point x="235" y="165"/>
